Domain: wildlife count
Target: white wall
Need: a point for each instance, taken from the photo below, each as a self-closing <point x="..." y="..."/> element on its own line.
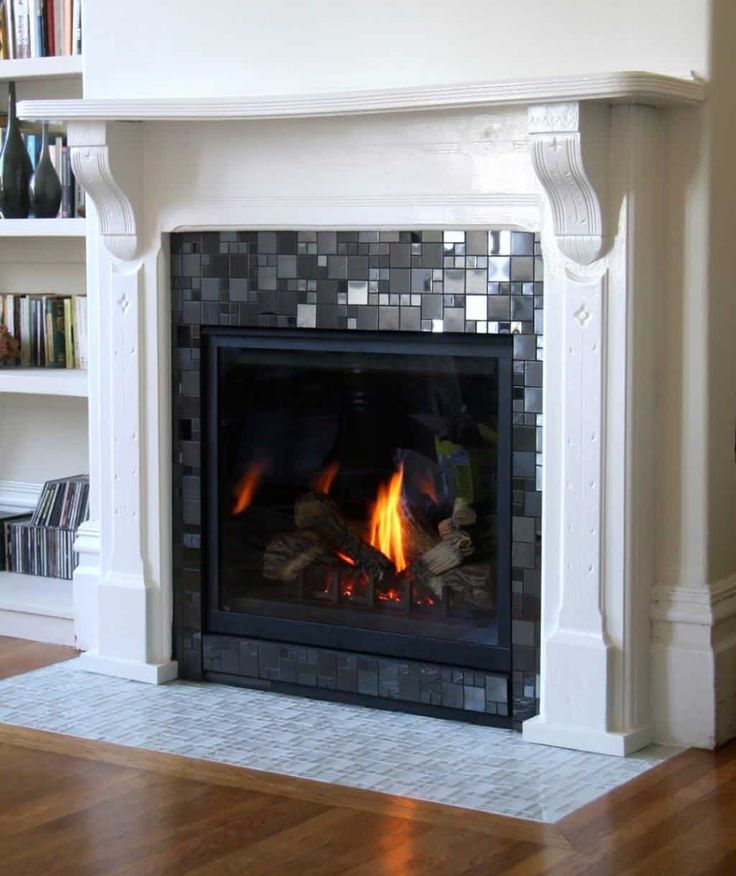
<point x="42" y="437"/>
<point x="231" y="47"/>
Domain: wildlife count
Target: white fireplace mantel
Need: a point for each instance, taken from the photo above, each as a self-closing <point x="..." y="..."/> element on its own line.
<point x="473" y="155"/>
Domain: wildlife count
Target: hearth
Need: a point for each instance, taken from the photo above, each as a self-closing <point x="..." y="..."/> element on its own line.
<point x="357" y="465"/>
<point x="359" y="491"/>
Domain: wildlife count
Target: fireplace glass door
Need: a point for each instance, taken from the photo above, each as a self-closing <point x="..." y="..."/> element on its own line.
<point x="359" y="491"/>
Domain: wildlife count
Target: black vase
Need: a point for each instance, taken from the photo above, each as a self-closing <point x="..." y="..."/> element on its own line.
<point x="15" y="167"/>
<point x="45" y="187"/>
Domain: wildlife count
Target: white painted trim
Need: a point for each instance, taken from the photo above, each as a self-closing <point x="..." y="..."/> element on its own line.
<point x="538" y="731"/>
<point x="20" y="494"/>
<point x="617" y="87"/>
<point x="150" y="673"/>
<point x="703" y="606"/>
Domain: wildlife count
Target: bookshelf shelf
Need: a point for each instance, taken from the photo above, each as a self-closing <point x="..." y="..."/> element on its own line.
<point x="43" y="227"/>
<point x="32" y="594"/>
<point x="37" y="608"/>
<point x="59" y="67"/>
<point x="44" y="381"/>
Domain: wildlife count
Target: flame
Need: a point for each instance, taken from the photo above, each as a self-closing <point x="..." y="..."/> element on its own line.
<point x="246" y="487"/>
<point x="345" y="558"/>
<point x="325" y="477"/>
<point x="385" y="525"/>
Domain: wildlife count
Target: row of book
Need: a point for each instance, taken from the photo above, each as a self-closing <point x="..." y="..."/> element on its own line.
<point x="51" y="329"/>
<point x="42" y="543"/>
<point x="40" y="28"/>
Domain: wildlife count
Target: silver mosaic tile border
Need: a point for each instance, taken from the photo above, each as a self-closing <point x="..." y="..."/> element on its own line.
<point x="480" y="282"/>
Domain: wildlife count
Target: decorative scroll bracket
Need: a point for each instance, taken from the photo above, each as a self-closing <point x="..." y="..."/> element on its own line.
<point x="569" y="151"/>
<point x="90" y="158"/>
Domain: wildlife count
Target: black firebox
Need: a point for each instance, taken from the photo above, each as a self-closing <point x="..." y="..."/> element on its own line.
<point x="358" y="497"/>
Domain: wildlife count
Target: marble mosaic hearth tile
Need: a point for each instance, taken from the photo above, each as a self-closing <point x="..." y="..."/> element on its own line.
<point x="430" y="759"/>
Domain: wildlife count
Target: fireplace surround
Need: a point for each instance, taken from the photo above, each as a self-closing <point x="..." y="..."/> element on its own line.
<point x="577" y="159"/>
<point x="401" y="302"/>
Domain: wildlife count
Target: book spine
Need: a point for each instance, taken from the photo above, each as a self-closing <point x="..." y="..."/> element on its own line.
<point x="68" y="333"/>
<point x="25" y="332"/>
<point x="10" y="28"/>
<point x="67" y="27"/>
<point x="77" y="27"/>
<point x="22" y="27"/>
<point x="48" y="18"/>
<point x="57" y="343"/>
<point x="80" y="326"/>
<point x="32" y="28"/>
<point x="4" y="32"/>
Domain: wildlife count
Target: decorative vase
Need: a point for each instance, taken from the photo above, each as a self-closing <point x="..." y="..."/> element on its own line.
<point x="15" y="167"/>
<point x="45" y="187"/>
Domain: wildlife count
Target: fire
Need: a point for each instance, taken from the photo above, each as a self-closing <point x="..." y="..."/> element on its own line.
<point x="385" y="525"/>
<point x="345" y="558"/>
<point x="246" y="487"/>
<point x="323" y="480"/>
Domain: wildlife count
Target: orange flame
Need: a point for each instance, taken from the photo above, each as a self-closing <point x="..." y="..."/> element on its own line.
<point x="325" y="477"/>
<point x="385" y="526"/>
<point x="345" y="558"/>
<point x="246" y="487"/>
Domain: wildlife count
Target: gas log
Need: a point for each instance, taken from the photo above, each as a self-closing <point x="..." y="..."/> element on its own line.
<point x="288" y="554"/>
<point x="318" y="513"/>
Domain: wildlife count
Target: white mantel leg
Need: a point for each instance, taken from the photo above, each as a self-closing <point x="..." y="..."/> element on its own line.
<point x="127" y="641"/>
<point x="600" y="253"/>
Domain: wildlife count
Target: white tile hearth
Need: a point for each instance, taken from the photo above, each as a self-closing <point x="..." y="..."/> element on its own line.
<point x="426" y="758"/>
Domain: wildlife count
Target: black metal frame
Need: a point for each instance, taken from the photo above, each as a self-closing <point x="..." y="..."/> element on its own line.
<point x="327" y="635"/>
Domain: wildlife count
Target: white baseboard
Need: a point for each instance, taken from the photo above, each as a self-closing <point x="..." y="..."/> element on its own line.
<point x="538" y="731"/>
<point x="150" y="673"/>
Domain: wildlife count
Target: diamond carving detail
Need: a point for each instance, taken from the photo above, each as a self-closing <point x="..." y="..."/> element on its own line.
<point x="582" y="315"/>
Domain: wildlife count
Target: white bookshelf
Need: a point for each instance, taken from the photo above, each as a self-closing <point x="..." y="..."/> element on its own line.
<point x="44" y="381"/>
<point x="36" y="608"/>
<point x="43" y="227"/>
<point x="44" y="433"/>
<point x="58" y="67"/>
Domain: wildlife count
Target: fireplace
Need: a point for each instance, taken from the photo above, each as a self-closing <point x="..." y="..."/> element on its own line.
<point x="356" y="464"/>
<point x="359" y="491"/>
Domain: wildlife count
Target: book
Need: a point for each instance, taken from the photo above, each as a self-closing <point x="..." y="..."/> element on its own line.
<point x="22" y="28"/>
<point x="80" y="331"/>
<point x="5" y="52"/>
<point x="68" y="333"/>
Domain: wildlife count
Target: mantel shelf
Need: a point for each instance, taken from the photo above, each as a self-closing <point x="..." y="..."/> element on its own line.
<point x="625" y="87"/>
<point x="44" y="381"/>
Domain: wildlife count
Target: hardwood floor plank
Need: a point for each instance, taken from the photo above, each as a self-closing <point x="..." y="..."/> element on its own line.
<point x="71" y="807"/>
<point x="19" y="655"/>
<point x="274" y="783"/>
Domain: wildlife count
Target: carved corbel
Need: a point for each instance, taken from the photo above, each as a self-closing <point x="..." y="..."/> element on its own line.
<point x="90" y="159"/>
<point x="569" y="150"/>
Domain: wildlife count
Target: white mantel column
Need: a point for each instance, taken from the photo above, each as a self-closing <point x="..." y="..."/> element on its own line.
<point x="125" y="632"/>
<point x="599" y="168"/>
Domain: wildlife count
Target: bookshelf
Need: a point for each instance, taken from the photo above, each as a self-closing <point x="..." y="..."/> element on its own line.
<point x="59" y="67"/>
<point x="43" y="227"/>
<point x="36" y="608"/>
<point x="45" y="410"/>
<point x="44" y="381"/>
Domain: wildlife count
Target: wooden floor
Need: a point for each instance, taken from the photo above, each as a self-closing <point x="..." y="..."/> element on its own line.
<point x="73" y="807"/>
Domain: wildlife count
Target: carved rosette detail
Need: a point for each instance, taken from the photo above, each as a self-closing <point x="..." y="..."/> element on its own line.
<point x="557" y="147"/>
<point x="91" y="165"/>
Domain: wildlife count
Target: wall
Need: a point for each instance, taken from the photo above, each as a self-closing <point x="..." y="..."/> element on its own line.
<point x="232" y="47"/>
